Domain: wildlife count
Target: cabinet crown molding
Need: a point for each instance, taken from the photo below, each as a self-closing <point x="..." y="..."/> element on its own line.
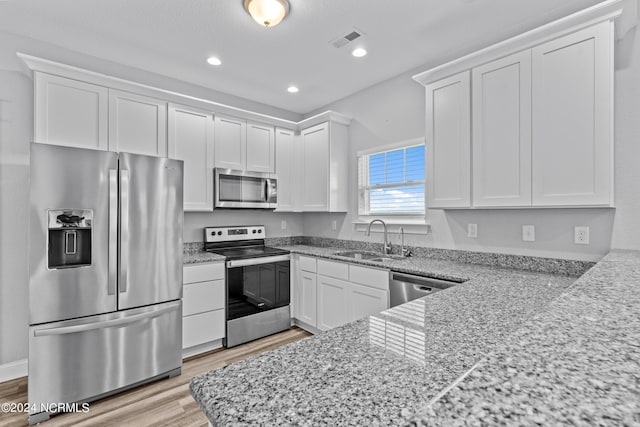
<point x="609" y="10"/>
<point x="48" y="66"/>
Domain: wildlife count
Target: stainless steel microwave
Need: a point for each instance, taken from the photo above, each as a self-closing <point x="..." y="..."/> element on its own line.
<point x="243" y="189"/>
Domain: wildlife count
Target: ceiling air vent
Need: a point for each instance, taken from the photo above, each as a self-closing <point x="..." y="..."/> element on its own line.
<point x="346" y="39"/>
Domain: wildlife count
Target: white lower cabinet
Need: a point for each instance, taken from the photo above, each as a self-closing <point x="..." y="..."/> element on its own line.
<point x="330" y="294"/>
<point x="365" y="300"/>
<point x="203" y="307"/>
<point x="306" y="295"/>
<point x="333" y="302"/>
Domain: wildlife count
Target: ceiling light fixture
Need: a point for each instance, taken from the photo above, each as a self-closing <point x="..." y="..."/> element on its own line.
<point x="292" y="89"/>
<point x="359" y="52"/>
<point x="267" y="13"/>
<point x="213" y="60"/>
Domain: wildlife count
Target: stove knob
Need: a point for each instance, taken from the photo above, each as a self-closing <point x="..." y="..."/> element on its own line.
<point x="219" y="233"/>
<point x="259" y="231"/>
<point x="254" y="231"/>
<point x="213" y="233"/>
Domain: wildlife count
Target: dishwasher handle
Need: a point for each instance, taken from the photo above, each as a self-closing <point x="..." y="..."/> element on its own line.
<point x="421" y="282"/>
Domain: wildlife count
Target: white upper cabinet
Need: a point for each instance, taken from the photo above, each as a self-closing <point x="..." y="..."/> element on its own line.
<point x="315" y="143"/>
<point x="191" y="140"/>
<point x="260" y="147"/>
<point x="501" y="102"/>
<point x="70" y="113"/>
<point x="573" y="119"/>
<point x="285" y="164"/>
<point x="325" y="167"/>
<point x="137" y="124"/>
<point x="542" y="130"/>
<point x="244" y="145"/>
<point x="448" y="142"/>
<point x="230" y="142"/>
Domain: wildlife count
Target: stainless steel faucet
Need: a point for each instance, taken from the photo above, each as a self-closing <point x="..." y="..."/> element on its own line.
<point x="404" y="251"/>
<point x="386" y="247"/>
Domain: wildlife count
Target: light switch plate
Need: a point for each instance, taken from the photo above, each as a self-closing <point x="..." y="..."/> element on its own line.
<point x="529" y="233"/>
<point x="472" y="231"/>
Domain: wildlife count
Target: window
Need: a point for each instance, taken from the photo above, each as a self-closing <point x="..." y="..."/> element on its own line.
<point x="391" y="182"/>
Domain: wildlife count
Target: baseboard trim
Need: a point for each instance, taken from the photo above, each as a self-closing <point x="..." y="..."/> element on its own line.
<point x="13" y="370"/>
<point x="202" y="348"/>
<point x="305" y="326"/>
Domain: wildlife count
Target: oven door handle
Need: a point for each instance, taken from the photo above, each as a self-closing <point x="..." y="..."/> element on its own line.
<point x="258" y="261"/>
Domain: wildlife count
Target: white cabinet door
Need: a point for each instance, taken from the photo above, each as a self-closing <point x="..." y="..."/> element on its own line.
<point x="230" y="142"/>
<point x="366" y="301"/>
<point x="191" y="140"/>
<point x="137" y="124"/>
<point x="315" y="166"/>
<point x="306" y="295"/>
<point x="572" y="119"/>
<point x="70" y="113"/>
<point x="285" y="162"/>
<point x="502" y="132"/>
<point x="260" y="148"/>
<point x="333" y="302"/>
<point x="448" y="142"/>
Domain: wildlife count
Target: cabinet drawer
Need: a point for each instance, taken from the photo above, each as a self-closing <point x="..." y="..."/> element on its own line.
<point x="371" y="277"/>
<point x="201" y="328"/>
<point x="339" y="270"/>
<point x="202" y="296"/>
<point x="307" y="264"/>
<point x="203" y="272"/>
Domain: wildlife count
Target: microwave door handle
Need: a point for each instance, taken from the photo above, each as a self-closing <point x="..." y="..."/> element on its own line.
<point x="266" y="189"/>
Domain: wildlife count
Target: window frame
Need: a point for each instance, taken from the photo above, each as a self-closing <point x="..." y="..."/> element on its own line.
<point x="391" y="217"/>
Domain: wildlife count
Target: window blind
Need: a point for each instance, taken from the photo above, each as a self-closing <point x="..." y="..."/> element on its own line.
<point x="392" y="182"/>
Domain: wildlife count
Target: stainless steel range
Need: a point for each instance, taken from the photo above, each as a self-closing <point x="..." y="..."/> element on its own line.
<point x="258" y="282"/>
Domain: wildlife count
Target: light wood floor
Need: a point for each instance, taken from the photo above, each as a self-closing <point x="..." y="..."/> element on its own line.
<point x="163" y="403"/>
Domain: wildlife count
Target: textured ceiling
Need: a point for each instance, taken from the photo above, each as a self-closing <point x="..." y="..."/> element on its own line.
<point x="174" y="38"/>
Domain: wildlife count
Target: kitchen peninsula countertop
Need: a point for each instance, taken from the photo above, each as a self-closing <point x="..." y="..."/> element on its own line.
<point x="503" y="318"/>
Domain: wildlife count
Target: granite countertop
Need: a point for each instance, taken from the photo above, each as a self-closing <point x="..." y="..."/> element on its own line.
<point x="201" y="257"/>
<point x="358" y="374"/>
<point x="576" y="363"/>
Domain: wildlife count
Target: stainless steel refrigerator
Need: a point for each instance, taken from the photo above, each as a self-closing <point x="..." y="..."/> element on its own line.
<point x="105" y="261"/>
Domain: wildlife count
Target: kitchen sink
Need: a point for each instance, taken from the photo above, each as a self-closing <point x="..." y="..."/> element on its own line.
<point x="368" y="256"/>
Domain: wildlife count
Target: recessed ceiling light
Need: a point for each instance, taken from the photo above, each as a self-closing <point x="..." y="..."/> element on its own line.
<point x="214" y="60"/>
<point x="359" y="52"/>
<point x="292" y="89"/>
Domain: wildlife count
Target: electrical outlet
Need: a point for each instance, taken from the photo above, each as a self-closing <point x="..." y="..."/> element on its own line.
<point x="283" y="224"/>
<point x="334" y="225"/>
<point x="529" y="233"/>
<point x="472" y="231"/>
<point x="581" y="235"/>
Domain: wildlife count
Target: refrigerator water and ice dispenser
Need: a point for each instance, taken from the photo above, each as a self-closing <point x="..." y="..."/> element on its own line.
<point x="69" y="240"/>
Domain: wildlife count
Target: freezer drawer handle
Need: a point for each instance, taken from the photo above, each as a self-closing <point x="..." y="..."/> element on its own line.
<point x="103" y="325"/>
<point x="422" y="288"/>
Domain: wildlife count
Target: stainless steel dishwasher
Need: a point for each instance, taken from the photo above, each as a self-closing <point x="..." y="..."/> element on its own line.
<point x="407" y="287"/>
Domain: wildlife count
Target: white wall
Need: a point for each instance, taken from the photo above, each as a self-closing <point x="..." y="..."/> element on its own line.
<point x="394" y="111"/>
<point x="16" y="131"/>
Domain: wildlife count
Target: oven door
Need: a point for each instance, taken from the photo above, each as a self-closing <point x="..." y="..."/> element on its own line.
<point x="242" y="189"/>
<point x="256" y="285"/>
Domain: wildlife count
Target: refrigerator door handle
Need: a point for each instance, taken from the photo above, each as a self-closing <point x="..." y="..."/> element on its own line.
<point x="113" y="232"/>
<point x="124" y="230"/>
<point x="63" y="330"/>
